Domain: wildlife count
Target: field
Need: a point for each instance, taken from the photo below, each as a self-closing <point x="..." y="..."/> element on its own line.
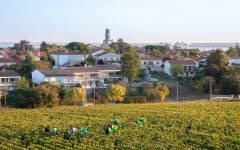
<point x="202" y="125"/>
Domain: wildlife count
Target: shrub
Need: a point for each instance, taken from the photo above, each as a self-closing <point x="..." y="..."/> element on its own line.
<point x="135" y="99"/>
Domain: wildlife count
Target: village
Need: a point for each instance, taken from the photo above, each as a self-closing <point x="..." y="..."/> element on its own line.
<point x="92" y="67"/>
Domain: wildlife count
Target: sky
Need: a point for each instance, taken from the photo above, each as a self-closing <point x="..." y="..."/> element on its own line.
<point x="136" y="21"/>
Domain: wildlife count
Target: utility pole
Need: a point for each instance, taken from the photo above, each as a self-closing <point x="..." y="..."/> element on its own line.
<point x="85" y="86"/>
<point x="177" y="91"/>
<point x="5" y="101"/>
<point x="210" y="89"/>
<point x="94" y="96"/>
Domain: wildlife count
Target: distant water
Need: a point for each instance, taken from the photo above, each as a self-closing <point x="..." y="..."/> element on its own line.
<point x="201" y="46"/>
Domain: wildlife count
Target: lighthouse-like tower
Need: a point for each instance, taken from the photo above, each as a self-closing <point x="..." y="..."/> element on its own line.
<point x="107" y="41"/>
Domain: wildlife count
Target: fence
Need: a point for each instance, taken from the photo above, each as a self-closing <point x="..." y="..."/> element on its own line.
<point x="222" y="97"/>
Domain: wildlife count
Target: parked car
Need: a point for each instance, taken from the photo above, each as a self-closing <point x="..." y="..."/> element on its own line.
<point x="102" y="86"/>
<point x="153" y="80"/>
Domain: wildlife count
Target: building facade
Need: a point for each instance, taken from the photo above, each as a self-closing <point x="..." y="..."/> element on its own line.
<point x="189" y="67"/>
<point x="151" y="62"/>
<point x="88" y="77"/>
<point x="108" y="57"/>
<point x="8" y="79"/>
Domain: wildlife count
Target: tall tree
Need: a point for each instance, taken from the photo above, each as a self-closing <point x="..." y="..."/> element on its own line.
<point x="44" y="46"/>
<point x="217" y="64"/>
<point x="130" y="64"/>
<point x="27" y="66"/>
<point x="22" y="47"/>
<point x="120" y="46"/>
<point x="78" y="47"/>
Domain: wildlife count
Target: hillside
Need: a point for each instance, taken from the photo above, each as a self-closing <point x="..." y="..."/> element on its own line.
<point x="167" y="126"/>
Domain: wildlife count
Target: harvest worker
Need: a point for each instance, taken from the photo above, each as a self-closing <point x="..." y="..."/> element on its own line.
<point x="83" y="131"/>
<point x="116" y="121"/>
<point x="55" y="131"/>
<point x="66" y="135"/>
<point x="110" y="129"/>
<point x="72" y="130"/>
<point x="47" y="129"/>
<point x="140" y="122"/>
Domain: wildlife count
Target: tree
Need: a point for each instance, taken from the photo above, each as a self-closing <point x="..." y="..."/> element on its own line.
<point x="115" y="92"/>
<point x="22" y="83"/>
<point x="43" y="96"/>
<point x="120" y="46"/>
<point x="232" y="52"/>
<point x="22" y="47"/>
<point x="27" y="66"/>
<point x="217" y="64"/>
<point x="44" y="46"/>
<point x="230" y="84"/>
<point x="78" y="47"/>
<point x="156" y="92"/>
<point x="90" y="60"/>
<point x="130" y="64"/>
<point x="76" y="94"/>
<point x="176" y="70"/>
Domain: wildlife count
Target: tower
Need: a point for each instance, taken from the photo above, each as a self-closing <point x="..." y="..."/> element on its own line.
<point x="107" y="35"/>
<point x="107" y="41"/>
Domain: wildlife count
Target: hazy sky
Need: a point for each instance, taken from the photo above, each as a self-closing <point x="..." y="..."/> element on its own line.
<point x="132" y="20"/>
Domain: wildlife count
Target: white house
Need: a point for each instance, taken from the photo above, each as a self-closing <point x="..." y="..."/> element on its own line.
<point x="189" y="67"/>
<point x="66" y="58"/>
<point x="108" y="57"/>
<point x="39" y="55"/>
<point x="154" y="63"/>
<point x="8" y="79"/>
<point x="234" y="61"/>
<point x="86" y="76"/>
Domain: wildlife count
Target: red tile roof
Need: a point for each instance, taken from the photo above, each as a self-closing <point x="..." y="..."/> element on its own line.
<point x="151" y="58"/>
<point x="39" y="54"/>
<point x="182" y="62"/>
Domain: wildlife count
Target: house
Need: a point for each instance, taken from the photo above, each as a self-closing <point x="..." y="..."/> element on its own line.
<point x="86" y="76"/>
<point x="233" y="61"/>
<point x="108" y="57"/>
<point x="189" y="67"/>
<point x="152" y="62"/>
<point x="39" y="55"/>
<point x="8" y="79"/>
<point x="5" y="61"/>
<point x="68" y="58"/>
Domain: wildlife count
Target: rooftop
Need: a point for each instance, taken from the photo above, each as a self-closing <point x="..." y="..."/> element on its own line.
<point x="8" y="73"/>
<point x="7" y="60"/>
<point x="70" y="71"/>
<point x="151" y="58"/>
<point x="182" y="62"/>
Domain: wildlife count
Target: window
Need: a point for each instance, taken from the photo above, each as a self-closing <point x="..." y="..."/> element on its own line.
<point x="145" y="63"/>
<point x="185" y="68"/>
<point x="150" y="63"/>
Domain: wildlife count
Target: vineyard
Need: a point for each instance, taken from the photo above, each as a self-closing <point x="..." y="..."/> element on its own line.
<point x="200" y="125"/>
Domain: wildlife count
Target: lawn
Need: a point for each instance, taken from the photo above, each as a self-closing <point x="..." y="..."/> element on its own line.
<point x="202" y="125"/>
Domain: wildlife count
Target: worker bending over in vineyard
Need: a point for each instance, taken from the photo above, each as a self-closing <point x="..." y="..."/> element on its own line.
<point x="55" y="131"/>
<point x="47" y="129"/>
<point x="72" y="130"/>
<point x="140" y="122"/>
<point x="110" y="129"/>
